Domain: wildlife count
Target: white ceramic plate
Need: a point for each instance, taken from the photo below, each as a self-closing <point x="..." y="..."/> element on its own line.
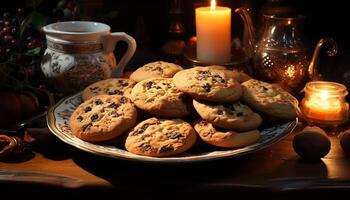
<point x="58" y="119"/>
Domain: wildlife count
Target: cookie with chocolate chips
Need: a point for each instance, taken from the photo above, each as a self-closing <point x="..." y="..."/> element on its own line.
<point x="159" y="69"/>
<point x="235" y="116"/>
<point x="208" y="84"/>
<point x="159" y="96"/>
<point x="160" y="137"/>
<point x="223" y="138"/>
<point x="103" y="117"/>
<point x="112" y="86"/>
<point x="238" y="75"/>
<point x="269" y="99"/>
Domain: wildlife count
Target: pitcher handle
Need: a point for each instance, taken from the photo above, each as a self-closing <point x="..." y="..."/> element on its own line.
<point x="312" y="70"/>
<point x="248" y="34"/>
<point x="110" y="41"/>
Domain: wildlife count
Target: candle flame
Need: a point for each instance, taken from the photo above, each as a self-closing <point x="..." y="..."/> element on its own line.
<point x="212" y="5"/>
<point x="324" y="95"/>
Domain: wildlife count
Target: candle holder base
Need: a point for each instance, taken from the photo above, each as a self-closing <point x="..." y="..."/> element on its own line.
<point x="332" y="129"/>
<point x="320" y="123"/>
<point x="239" y="60"/>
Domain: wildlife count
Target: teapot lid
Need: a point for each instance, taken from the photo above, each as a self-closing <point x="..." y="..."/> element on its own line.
<point x="280" y="9"/>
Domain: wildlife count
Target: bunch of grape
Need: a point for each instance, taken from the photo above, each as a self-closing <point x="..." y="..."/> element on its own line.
<point x="10" y="38"/>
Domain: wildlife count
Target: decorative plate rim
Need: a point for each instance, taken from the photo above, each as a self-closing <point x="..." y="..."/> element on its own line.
<point x="51" y="119"/>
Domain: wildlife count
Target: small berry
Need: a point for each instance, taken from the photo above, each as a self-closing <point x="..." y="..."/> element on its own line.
<point x="13" y="42"/>
<point x="7" y="23"/>
<point x="20" y="11"/>
<point x="6" y="15"/>
<point x="30" y="45"/>
<point x="8" y="38"/>
<point x="6" y="30"/>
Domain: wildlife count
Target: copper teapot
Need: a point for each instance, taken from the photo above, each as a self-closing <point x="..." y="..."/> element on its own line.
<point x="279" y="52"/>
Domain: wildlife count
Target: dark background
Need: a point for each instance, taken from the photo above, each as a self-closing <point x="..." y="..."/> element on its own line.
<point x="322" y="18"/>
<point x="148" y="21"/>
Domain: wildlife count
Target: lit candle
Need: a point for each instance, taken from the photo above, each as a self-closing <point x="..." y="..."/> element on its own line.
<point x="322" y="107"/>
<point x="324" y="102"/>
<point x="213" y="25"/>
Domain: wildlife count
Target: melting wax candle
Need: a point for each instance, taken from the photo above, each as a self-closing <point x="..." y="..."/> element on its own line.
<point x="213" y="26"/>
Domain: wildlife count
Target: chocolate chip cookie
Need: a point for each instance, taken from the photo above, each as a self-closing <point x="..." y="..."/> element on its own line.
<point x="229" y="139"/>
<point x="238" y="75"/>
<point x="236" y="116"/>
<point x="208" y="84"/>
<point x="103" y="117"/>
<point x="160" y="137"/>
<point x="269" y="99"/>
<point x="159" y="69"/>
<point x="159" y="96"/>
<point x="112" y="86"/>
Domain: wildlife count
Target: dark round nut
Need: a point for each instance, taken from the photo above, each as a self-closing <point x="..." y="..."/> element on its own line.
<point x="345" y="141"/>
<point x="311" y="144"/>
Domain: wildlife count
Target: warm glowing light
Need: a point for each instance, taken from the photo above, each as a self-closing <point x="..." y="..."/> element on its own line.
<point x="322" y="106"/>
<point x="291" y="71"/>
<point x="324" y="95"/>
<point x="325" y="102"/>
<point x="213" y="28"/>
<point x="212" y="5"/>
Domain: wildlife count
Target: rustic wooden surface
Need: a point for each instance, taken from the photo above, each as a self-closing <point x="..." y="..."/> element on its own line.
<point x="276" y="170"/>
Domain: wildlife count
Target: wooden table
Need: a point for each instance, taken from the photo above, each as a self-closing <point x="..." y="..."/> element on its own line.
<point x="275" y="171"/>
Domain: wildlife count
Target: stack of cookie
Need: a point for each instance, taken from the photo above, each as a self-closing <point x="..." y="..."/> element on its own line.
<point x="164" y="90"/>
<point x="217" y="97"/>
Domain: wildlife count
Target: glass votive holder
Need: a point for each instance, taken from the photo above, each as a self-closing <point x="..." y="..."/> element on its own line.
<point x="324" y="103"/>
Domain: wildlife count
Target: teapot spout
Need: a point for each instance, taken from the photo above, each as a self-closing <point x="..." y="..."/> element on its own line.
<point x="249" y="30"/>
<point x="313" y="72"/>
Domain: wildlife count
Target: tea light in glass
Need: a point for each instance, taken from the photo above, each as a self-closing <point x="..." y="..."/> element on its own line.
<point x="324" y="103"/>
